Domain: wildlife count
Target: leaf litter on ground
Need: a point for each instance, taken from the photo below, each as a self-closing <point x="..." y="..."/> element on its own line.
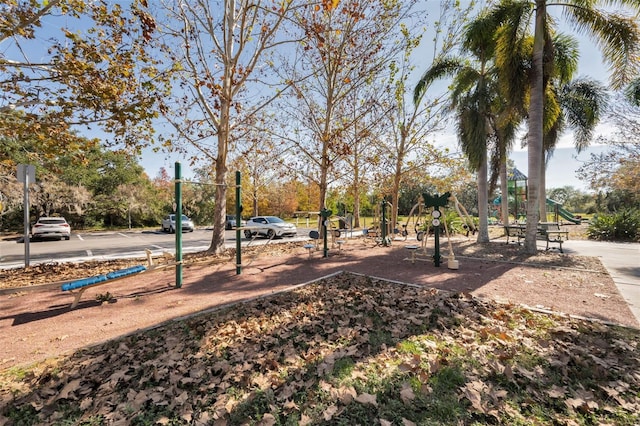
<point x="346" y="350"/>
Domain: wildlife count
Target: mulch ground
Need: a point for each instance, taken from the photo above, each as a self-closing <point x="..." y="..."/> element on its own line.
<point x="37" y="323"/>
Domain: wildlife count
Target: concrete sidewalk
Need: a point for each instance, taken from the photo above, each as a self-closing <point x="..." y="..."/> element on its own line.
<point x="622" y="260"/>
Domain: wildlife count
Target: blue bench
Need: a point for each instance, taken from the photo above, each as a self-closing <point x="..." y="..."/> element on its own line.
<point x="78" y="287"/>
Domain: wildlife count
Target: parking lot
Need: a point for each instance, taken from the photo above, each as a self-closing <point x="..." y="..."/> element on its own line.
<point x="114" y="245"/>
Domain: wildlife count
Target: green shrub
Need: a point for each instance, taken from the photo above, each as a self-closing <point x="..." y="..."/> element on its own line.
<point x="619" y="226"/>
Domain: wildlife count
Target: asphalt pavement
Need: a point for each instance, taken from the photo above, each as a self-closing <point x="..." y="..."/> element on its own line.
<point x="622" y="261"/>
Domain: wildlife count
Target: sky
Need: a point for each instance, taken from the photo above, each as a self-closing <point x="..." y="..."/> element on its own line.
<point x="561" y="169"/>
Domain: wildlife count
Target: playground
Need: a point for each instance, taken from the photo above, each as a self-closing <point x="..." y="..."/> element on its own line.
<point x="142" y="318"/>
<point x="428" y="220"/>
<point x="517" y="203"/>
<point x="363" y="303"/>
<point x="37" y="321"/>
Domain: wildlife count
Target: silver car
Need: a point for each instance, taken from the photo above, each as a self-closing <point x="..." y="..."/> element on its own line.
<point x="169" y="224"/>
<point x="270" y="227"/>
<point x="51" y="227"/>
<point x="230" y="222"/>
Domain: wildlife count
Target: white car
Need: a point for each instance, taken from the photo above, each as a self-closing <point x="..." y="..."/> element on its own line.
<point x="169" y="224"/>
<point x="51" y="227"/>
<point x="270" y="227"/>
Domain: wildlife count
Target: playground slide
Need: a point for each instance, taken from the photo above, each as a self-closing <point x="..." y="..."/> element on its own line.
<point x="564" y="213"/>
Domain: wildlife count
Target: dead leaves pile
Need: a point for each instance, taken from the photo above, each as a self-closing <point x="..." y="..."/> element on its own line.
<point x="348" y="350"/>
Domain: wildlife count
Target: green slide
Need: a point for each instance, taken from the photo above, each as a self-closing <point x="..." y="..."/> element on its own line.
<point x="564" y="213"/>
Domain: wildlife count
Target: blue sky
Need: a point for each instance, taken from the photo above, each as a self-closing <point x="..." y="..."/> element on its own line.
<point x="562" y="167"/>
<point x="561" y="170"/>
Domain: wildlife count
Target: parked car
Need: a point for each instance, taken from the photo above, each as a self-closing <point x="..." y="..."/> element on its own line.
<point x="269" y="226"/>
<point x="51" y="227"/>
<point x="169" y="224"/>
<point x="230" y="222"/>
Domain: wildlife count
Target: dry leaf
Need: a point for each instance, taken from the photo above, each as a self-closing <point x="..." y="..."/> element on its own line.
<point x="471" y="391"/>
<point x="69" y="389"/>
<point x="86" y="403"/>
<point x="406" y="394"/>
<point x="182" y="398"/>
<point x="344" y="394"/>
<point x="329" y="412"/>
<point x="290" y="405"/>
<point x="267" y="420"/>
<point x="305" y="420"/>
<point x="556" y="392"/>
<point x="366" y="398"/>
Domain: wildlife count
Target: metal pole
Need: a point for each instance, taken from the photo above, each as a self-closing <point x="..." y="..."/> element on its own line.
<point x="383" y="225"/>
<point x="238" y="222"/>
<point x="178" y="189"/>
<point x="436" y="234"/>
<point x="325" y="214"/>
<point x="26" y="217"/>
<point x="325" y="247"/>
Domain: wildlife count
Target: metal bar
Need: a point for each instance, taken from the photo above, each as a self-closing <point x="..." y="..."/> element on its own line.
<point x="178" y="189"/>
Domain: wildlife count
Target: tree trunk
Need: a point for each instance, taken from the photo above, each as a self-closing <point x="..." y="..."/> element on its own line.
<point x="534" y="142"/>
<point x="323" y="187"/>
<point x="543" y="189"/>
<point x="356" y="196"/>
<point x="483" y="200"/>
<point x="220" y="207"/>
<point x="254" y="192"/>
<point x="397" y="176"/>
<point x="395" y="192"/>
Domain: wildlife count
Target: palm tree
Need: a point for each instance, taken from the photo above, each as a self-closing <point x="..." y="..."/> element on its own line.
<point x="568" y="104"/>
<point x="581" y="103"/>
<point x="617" y="35"/>
<point x="483" y="119"/>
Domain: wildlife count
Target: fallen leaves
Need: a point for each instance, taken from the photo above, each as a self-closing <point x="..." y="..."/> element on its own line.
<point x="348" y="350"/>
